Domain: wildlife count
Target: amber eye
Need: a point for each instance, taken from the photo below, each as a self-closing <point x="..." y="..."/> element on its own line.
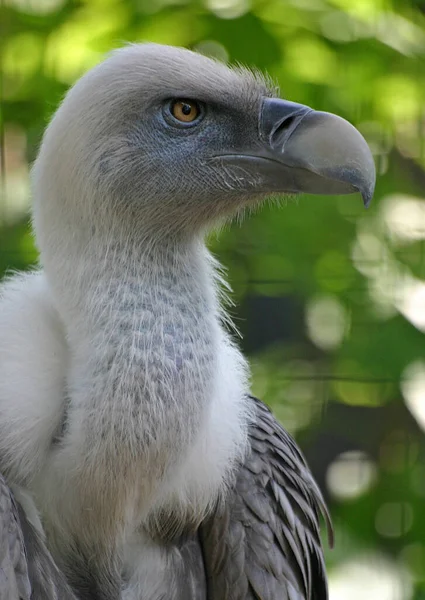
<point x="185" y="111"/>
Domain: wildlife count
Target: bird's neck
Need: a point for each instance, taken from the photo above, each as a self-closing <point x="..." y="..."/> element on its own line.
<point x="117" y="288"/>
<point x="156" y="388"/>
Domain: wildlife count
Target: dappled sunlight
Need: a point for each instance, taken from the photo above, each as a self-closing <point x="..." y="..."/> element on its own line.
<point x="351" y="475"/>
<point x="412" y="557"/>
<point x="310" y="58"/>
<point x="212" y="49"/>
<point x="398" y="97"/>
<point x="327" y="322"/>
<point x="366" y="10"/>
<point x="411" y="302"/>
<point x="398" y="452"/>
<point x="369" y="253"/>
<point x="309" y="5"/>
<point x="339" y="26"/>
<point x="394" y="288"/>
<point x="291" y="388"/>
<point x="36" y="7"/>
<point x="409" y="141"/>
<point x="22" y="57"/>
<point x="373" y="259"/>
<point x="228" y="9"/>
<point x="413" y="389"/>
<point x="391" y="284"/>
<point x="370" y="577"/>
<point x="382" y="290"/>
<point x="353" y="385"/>
<point x="394" y="519"/>
<point x="400" y="34"/>
<point x="404" y="218"/>
<point x="14" y="193"/>
<point x="70" y="51"/>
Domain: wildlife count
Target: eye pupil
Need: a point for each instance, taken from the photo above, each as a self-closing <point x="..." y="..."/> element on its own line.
<point x="185" y="111"/>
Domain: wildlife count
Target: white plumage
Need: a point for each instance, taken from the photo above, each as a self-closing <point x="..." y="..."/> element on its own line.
<point x="123" y="399"/>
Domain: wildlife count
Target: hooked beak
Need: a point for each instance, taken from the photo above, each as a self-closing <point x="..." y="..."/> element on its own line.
<point x="303" y="150"/>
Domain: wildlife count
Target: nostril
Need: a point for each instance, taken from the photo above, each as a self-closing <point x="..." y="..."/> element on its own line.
<point x="284" y="125"/>
<point x="279" y="119"/>
<point x="283" y="130"/>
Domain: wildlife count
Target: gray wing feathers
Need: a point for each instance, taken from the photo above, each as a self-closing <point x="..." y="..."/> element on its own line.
<point x="14" y="580"/>
<point x="189" y="573"/>
<point x="265" y="543"/>
<point x="47" y="581"/>
<point x="27" y="570"/>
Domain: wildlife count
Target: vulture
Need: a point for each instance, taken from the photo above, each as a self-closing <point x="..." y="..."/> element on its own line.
<point x="135" y="463"/>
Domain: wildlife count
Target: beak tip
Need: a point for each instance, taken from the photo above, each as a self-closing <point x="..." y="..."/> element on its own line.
<point x="322" y="153"/>
<point x="367" y="199"/>
<point x="367" y="191"/>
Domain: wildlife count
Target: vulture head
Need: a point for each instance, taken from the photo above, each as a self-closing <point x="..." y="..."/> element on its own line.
<point x="176" y="141"/>
<point x="134" y="417"/>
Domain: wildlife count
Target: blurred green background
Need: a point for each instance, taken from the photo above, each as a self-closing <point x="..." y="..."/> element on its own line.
<point x="330" y="297"/>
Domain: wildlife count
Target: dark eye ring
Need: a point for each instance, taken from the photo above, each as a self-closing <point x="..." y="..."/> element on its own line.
<point x="184" y="112"/>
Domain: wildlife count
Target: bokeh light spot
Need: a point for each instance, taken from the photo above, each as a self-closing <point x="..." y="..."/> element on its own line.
<point x="413" y="390"/>
<point x="327" y="322"/>
<point x="370" y="577"/>
<point x="228" y="9"/>
<point x="350" y="475"/>
<point x="394" y="519"/>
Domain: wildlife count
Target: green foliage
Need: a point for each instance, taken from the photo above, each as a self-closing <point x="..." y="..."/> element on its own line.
<point x="331" y="298"/>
